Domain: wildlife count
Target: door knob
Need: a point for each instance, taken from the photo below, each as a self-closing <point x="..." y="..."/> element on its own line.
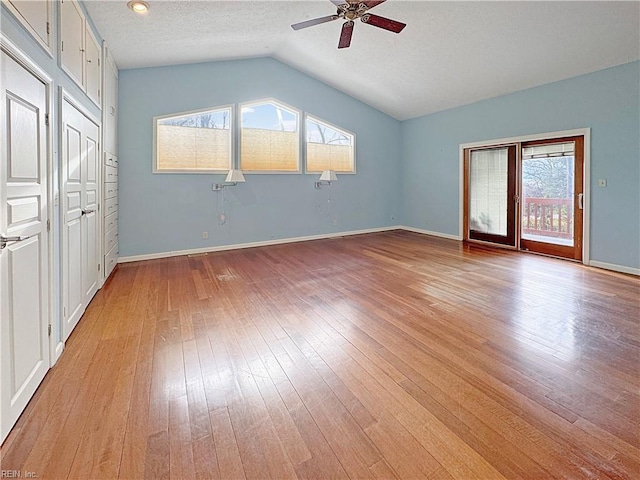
<point x="87" y="212"/>
<point x="4" y="240"/>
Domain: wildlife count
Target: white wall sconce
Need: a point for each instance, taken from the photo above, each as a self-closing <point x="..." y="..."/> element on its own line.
<point x="326" y="178"/>
<point x="233" y="178"/>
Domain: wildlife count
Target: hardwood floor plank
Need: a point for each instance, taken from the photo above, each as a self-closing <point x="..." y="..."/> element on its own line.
<point x="391" y="355"/>
<point x="229" y="461"/>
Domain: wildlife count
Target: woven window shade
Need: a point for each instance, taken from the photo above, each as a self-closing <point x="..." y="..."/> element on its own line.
<point x="188" y="148"/>
<point x="322" y="157"/>
<point x="269" y="150"/>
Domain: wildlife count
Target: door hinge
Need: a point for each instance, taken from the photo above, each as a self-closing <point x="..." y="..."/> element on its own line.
<point x="98" y="267"/>
<point x="48" y="225"/>
<point x="49" y="330"/>
<point x="46" y="119"/>
<point x="64" y="312"/>
<point x="48" y="28"/>
<point x="62" y="46"/>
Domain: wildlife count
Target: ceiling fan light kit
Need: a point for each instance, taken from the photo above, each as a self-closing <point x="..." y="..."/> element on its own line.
<point x="350" y="11"/>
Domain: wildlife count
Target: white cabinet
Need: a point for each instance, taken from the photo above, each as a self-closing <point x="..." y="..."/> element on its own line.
<point x="72" y="40"/>
<point x="36" y="17"/>
<point x="110" y="213"/>
<point x="79" y="50"/>
<point x="110" y="168"/>
<point x="92" y="71"/>
<point x="110" y="103"/>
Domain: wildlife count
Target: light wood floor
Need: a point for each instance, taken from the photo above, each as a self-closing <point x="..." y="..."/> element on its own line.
<point x="377" y="356"/>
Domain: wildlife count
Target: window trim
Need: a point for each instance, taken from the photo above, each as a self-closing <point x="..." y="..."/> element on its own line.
<point x="335" y="127"/>
<point x="300" y="141"/>
<point x="209" y="171"/>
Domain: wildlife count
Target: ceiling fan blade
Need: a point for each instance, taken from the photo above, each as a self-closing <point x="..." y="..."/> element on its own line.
<point x="372" y="3"/>
<point x="382" y="22"/>
<point x="315" y="21"/>
<point x="337" y="3"/>
<point x="345" y="34"/>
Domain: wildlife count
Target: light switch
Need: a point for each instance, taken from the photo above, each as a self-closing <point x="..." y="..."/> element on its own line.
<point x="602" y="182"/>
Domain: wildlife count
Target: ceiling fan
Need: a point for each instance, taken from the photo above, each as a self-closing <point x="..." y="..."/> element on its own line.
<point x="351" y="10"/>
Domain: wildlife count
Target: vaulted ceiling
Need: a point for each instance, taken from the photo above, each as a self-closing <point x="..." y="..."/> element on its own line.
<point x="451" y="53"/>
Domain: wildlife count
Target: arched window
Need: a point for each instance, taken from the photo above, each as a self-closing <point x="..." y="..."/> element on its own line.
<point x="269" y="137"/>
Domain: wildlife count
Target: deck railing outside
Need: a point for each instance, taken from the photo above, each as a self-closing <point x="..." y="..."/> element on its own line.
<point x="551" y="217"/>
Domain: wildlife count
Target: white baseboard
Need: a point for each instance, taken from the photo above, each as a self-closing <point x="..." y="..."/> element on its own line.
<point x="237" y="246"/>
<point x="57" y="352"/>
<point x="615" y="268"/>
<point x="196" y="251"/>
<point x="433" y="234"/>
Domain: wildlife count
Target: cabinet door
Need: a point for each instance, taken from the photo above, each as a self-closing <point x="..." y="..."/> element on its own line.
<point x="35" y="16"/>
<point x="92" y="70"/>
<point x="110" y="104"/>
<point x="72" y="38"/>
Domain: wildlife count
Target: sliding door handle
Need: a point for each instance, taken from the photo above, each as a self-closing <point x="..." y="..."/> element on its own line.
<point x="581" y="201"/>
<point x="4" y="240"/>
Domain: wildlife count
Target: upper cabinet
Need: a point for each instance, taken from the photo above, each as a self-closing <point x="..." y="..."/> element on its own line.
<point x="36" y="17"/>
<point x="79" y="50"/>
<point x="110" y="103"/>
<point x="92" y="72"/>
<point x="72" y="40"/>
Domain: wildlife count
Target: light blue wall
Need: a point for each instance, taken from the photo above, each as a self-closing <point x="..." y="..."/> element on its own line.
<point x="14" y="31"/>
<point x="169" y="212"/>
<point x="607" y="101"/>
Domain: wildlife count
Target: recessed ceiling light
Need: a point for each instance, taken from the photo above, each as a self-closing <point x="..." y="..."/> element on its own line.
<point x="138" y="6"/>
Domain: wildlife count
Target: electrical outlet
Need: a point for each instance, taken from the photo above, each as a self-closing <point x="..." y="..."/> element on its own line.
<point x="335" y="221"/>
<point x="602" y="182"/>
<point x="205" y="235"/>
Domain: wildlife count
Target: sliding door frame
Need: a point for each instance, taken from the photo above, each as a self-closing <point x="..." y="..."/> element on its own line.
<point x="584" y="132"/>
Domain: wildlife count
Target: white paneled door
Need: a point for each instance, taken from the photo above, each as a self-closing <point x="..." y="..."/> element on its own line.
<point x="80" y="163"/>
<point x="24" y="284"/>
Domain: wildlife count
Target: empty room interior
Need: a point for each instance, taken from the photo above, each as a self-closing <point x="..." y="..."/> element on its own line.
<point x="320" y="239"/>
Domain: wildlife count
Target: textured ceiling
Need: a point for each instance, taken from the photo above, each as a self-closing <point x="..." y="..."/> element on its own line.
<point x="450" y="54"/>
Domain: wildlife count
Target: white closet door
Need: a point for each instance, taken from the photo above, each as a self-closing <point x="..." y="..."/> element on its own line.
<point x="72" y="37"/>
<point x="90" y="233"/>
<point x="80" y="163"/>
<point x="72" y="171"/>
<point x="24" y="284"/>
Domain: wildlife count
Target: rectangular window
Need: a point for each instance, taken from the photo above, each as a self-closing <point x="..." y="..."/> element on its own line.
<point x="328" y="147"/>
<point x="269" y="138"/>
<point x="193" y="142"/>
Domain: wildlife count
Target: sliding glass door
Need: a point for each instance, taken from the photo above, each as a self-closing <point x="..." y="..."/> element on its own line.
<point x="491" y="190"/>
<point x="528" y="196"/>
<point x="552" y="197"/>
